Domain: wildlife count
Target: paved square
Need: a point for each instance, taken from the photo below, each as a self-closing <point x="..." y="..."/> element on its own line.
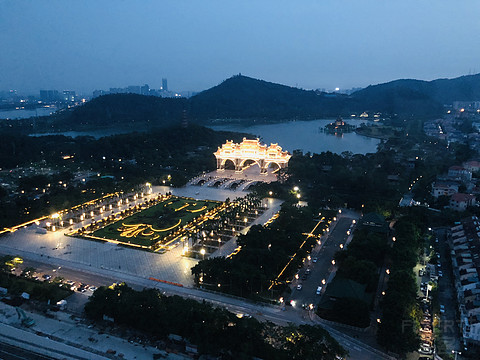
<point x="57" y="249"/>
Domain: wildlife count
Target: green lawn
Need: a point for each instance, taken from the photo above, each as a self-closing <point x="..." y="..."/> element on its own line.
<point x="153" y="224"/>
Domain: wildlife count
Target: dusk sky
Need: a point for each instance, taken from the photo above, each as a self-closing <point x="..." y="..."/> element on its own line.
<point x="87" y="45"/>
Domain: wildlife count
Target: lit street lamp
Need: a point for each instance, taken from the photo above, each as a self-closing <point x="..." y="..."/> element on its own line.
<point x="456" y="353"/>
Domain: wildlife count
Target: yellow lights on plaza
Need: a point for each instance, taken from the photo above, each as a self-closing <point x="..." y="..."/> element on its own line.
<point x="270" y="193"/>
<point x="387" y="271"/>
<point x="333" y="262"/>
<point x="324" y="281"/>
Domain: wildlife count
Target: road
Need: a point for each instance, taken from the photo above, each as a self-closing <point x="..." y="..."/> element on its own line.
<point x="446" y="294"/>
<point x="323" y="268"/>
<point x="356" y="349"/>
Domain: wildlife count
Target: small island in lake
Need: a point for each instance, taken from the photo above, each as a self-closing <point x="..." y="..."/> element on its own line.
<point x="338" y="127"/>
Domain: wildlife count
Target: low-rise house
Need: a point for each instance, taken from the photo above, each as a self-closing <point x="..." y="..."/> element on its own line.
<point x="464" y="241"/>
<point x="472" y="165"/>
<point x="459" y="172"/>
<point x="444" y="188"/>
<point x="460" y="201"/>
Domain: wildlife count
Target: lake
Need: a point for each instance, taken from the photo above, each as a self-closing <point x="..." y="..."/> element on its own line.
<point x="26" y="113"/>
<point x="292" y="135"/>
<point x="306" y="136"/>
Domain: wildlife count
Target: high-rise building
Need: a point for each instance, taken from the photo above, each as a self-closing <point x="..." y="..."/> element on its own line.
<point x="69" y="95"/>
<point x="164" y="84"/>
<point x="49" y="95"/>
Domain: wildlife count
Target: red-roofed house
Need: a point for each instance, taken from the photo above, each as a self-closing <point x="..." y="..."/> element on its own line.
<point x="444" y="189"/>
<point x="460" y="201"/>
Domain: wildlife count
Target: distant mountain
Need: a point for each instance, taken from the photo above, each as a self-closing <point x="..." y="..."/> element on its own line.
<point x="243" y="97"/>
<point x="125" y="109"/>
<point x="418" y="97"/>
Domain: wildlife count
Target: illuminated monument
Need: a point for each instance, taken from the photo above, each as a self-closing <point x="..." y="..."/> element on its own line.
<point x="251" y="151"/>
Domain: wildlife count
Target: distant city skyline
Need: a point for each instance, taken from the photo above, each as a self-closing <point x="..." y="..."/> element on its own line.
<point x="87" y="46"/>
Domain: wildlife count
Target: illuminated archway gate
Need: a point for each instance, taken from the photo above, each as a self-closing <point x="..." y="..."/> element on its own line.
<point x="251" y="150"/>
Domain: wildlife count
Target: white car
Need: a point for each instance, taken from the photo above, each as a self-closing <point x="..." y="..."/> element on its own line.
<point x="299" y="287"/>
<point x="442" y="309"/>
<point x="319" y="290"/>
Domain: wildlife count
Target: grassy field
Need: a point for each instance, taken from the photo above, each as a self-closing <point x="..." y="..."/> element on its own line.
<point x="155" y="223"/>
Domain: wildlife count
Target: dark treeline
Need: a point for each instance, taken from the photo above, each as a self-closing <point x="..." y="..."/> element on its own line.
<point x="265" y="251"/>
<point x="400" y="309"/>
<point x="216" y="331"/>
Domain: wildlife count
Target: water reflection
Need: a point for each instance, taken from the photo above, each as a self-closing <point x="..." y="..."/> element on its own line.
<point x="307" y="136"/>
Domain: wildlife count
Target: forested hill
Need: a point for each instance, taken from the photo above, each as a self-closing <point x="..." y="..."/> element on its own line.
<point x="418" y="97"/>
<point x="124" y="109"/>
<point x="243" y="97"/>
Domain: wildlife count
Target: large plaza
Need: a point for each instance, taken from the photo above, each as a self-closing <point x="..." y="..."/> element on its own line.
<point x="157" y="232"/>
<point x="58" y="249"/>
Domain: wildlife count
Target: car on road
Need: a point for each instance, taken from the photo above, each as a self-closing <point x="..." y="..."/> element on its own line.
<point x="299" y="287"/>
<point x="440" y="273"/>
<point x="308" y="271"/>
<point x="46" y="277"/>
<point x="319" y="290"/>
<point x="92" y="288"/>
<point x="315" y="259"/>
<point x="442" y="309"/>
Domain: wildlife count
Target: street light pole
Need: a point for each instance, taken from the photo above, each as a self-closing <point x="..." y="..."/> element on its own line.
<point x="456" y="353"/>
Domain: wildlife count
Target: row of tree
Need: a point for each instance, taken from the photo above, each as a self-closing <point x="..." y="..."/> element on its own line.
<point x="264" y="253"/>
<point x="400" y="318"/>
<point x="215" y="331"/>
